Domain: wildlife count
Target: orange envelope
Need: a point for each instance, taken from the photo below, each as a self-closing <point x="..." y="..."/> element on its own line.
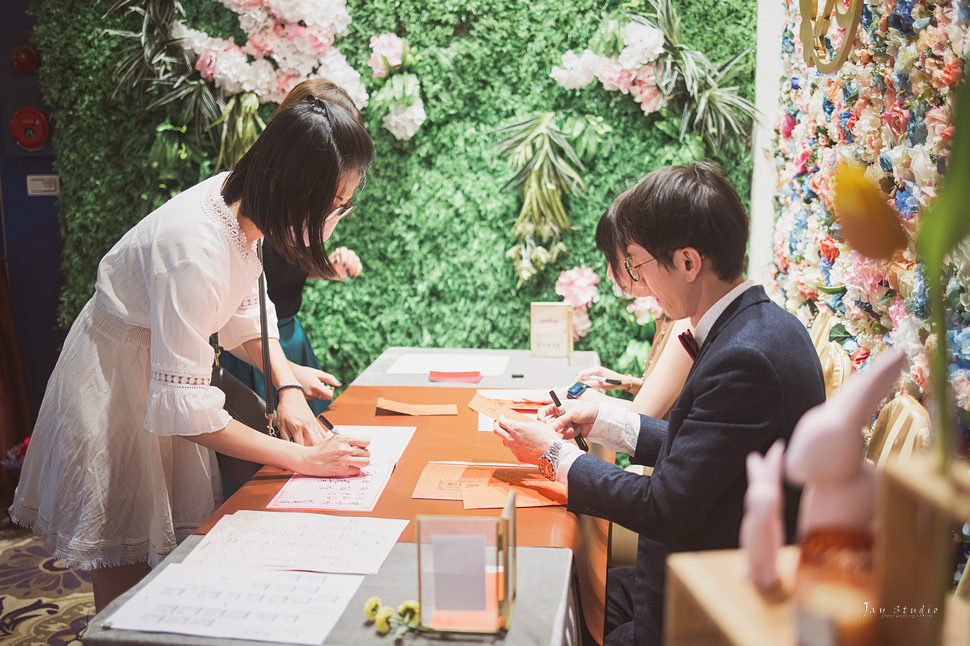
<point x="494" y="409"/>
<point x="391" y="406"/>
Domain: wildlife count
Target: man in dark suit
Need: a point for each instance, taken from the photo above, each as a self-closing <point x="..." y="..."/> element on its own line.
<point x="680" y="234"/>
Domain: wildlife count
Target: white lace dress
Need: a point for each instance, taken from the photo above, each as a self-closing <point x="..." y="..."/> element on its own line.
<point x="108" y="478"/>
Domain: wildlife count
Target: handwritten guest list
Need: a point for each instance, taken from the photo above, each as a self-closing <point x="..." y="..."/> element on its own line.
<point x="295" y="541"/>
<point x="239" y="603"/>
<point x="359" y="493"/>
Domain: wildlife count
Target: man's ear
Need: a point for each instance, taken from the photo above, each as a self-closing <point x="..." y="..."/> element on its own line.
<point x="692" y="260"/>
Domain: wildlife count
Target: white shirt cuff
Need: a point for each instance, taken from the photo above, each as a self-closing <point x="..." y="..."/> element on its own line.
<point x="616" y="428"/>
<point x="567" y="455"/>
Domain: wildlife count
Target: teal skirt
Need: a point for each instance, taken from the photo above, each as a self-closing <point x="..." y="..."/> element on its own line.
<point x="296" y="347"/>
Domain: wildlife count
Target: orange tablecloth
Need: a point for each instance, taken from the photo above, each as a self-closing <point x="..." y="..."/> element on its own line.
<point x="442" y="438"/>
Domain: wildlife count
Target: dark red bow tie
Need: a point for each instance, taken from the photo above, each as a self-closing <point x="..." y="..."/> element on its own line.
<point x="689" y="342"/>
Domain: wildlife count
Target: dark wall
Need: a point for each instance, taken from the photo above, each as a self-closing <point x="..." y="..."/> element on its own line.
<point x="30" y="227"/>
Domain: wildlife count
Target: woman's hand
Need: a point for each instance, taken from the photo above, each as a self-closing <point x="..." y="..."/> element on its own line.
<point x="317" y="384"/>
<point x="345" y="262"/>
<point x="621" y="381"/>
<point x="340" y="456"/>
<point x="295" y="420"/>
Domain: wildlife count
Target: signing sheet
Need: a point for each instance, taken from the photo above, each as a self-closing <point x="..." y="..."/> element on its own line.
<point x="359" y="493"/>
<point x="239" y="603"/>
<point x="296" y="541"/>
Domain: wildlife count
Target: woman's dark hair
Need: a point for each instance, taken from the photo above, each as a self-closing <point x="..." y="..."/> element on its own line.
<point x="322" y="89"/>
<point x="287" y="182"/>
<point x="676" y="207"/>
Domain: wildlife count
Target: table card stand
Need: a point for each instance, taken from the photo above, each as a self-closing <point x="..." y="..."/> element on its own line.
<point x="552" y="330"/>
<point x="466" y="571"/>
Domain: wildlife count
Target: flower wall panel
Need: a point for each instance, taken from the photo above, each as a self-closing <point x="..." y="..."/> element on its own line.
<point x="888" y="108"/>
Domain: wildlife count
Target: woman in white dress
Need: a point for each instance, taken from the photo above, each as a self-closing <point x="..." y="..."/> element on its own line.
<point x="121" y="464"/>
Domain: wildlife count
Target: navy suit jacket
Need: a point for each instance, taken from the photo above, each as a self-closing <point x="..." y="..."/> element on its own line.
<point x="755" y="375"/>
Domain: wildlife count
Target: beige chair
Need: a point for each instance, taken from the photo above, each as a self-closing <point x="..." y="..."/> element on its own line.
<point x="901" y="429"/>
<point x="819" y="329"/>
<point x="836" y="365"/>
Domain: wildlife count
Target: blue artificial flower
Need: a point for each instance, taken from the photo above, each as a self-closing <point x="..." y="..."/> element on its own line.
<point x="961" y="13"/>
<point x="916" y="128"/>
<point x="824" y="268"/>
<point x="866" y="19"/>
<point x="844" y="117"/>
<point x="901" y="82"/>
<point x="795" y="83"/>
<point x="827" y="107"/>
<point x="850" y="345"/>
<point x="941" y="165"/>
<point x="834" y="303"/>
<point x="850" y="92"/>
<point x="886" y="163"/>
<point x="920" y="296"/>
<point x="901" y="19"/>
<point x="907" y="200"/>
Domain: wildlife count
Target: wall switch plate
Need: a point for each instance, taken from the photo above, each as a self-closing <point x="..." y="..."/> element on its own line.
<point x="43" y="185"/>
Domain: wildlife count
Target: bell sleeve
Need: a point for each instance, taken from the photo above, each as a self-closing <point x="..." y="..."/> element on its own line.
<point x="184" y="307"/>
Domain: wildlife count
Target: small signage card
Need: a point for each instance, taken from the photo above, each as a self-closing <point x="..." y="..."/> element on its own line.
<point x="552" y="330"/>
<point x="466" y="571"/>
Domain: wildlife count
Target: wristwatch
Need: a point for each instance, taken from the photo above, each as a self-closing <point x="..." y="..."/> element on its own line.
<point x="548" y="460"/>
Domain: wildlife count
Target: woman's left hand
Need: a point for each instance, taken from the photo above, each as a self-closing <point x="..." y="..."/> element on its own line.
<point x="346" y="262"/>
<point x="317" y="384"/>
<point x="295" y="420"/>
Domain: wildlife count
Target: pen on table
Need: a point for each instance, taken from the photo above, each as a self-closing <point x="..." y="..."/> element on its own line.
<point x="327" y="423"/>
<point x="612" y="382"/>
<point x="580" y="440"/>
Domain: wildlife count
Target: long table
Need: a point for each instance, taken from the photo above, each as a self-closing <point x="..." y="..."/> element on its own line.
<point x="550" y="536"/>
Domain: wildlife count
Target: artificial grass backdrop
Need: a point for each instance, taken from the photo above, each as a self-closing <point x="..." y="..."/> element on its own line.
<point x="433" y="222"/>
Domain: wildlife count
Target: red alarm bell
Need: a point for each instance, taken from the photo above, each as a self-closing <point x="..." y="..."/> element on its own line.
<point x="24" y="59"/>
<point x="29" y="128"/>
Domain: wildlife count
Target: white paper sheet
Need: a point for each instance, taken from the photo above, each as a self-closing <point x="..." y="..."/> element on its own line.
<point x="413" y="363"/>
<point x="239" y="603"/>
<point x="295" y="541"/>
<point x="387" y="443"/>
<point x="359" y="493"/>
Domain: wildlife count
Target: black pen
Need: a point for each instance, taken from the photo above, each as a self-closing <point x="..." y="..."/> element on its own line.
<point x="326" y="422"/>
<point x="580" y="441"/>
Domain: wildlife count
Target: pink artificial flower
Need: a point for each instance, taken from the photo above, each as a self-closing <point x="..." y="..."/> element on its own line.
<point x="897" y="312"/>
<point x="650" y="99"/>
<point x="897" y="119"/>
<point x="577" y="286"/>
<point x="614" y="77"/>
<point x="261" y="44"/>
<point x="919" y="371"/>
<point x="859" y="356"/>
<point x="388" y="47"/>
<point x="829" y="248"/>
<point x="953" y="72"/>
<point x="802" y="156"/>
<point x="788" y="124"/>
<point x="285" y="83"/>
<point x="205" y="64"/>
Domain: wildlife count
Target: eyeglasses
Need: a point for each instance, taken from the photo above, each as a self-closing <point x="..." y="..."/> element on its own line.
<point x="342" y="211"/>
<point x="633" y="269"/>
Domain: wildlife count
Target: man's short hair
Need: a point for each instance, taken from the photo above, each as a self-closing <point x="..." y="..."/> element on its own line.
<point x="676" y="207"/>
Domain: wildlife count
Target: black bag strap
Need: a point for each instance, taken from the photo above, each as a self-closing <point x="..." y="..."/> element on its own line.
<point x="267" y="368"/>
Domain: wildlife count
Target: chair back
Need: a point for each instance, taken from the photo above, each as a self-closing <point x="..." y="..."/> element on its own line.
<point x="836" y="365"/>
<point x="901" y="429"/>
<point x="819" y="329"/>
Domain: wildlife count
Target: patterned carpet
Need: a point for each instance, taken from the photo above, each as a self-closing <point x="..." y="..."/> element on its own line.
<point x="40" y="602"/>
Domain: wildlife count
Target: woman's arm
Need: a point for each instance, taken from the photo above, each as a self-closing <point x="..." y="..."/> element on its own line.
<point x="339" y="455"/>
<point x="294" y="418"/>
<point x="662" y="386"/>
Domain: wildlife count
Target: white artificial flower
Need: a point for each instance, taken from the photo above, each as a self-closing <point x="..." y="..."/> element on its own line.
<point x="403" y="121"/>
<point x="644" y="45"/>
<point x="577" y="71"/>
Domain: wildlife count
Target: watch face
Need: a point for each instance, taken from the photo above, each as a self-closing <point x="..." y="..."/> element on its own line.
<point x="576" y="390"/>
<point x="545" y="468"/>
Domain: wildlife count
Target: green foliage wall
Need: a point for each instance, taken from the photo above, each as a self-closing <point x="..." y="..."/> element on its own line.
<point x="432" y="224"/>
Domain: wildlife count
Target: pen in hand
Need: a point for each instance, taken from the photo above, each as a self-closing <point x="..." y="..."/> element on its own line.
<point x="607" y="380"/>
<point x="327" y="423"/>
<point x="580" y="440"/>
